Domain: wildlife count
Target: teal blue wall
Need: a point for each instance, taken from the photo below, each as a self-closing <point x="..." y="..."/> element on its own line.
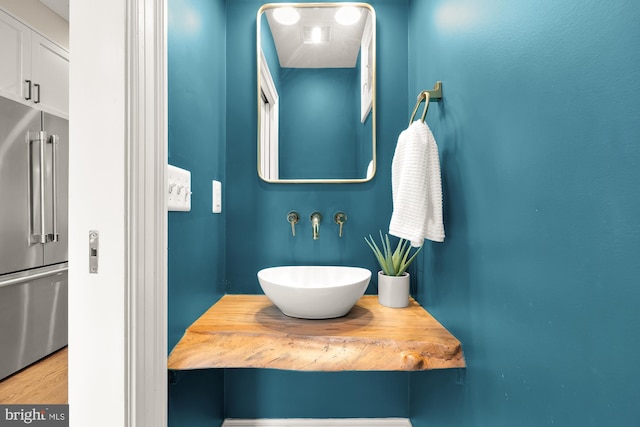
<point x="265" y="393"/>
<point x="539" y="136"/>
<point x="310" y="98"/>
<point x="538" y="276"/>
<point x="259" y="236"/>
<point x="197" y="139"/>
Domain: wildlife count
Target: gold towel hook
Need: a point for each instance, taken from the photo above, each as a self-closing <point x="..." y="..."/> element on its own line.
<point x="427" y="96"/>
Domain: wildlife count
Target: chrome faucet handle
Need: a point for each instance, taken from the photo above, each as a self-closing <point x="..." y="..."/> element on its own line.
<point x="316" y="217"/>
<point x="293" y="218"/>
<point x="340" y="218"/>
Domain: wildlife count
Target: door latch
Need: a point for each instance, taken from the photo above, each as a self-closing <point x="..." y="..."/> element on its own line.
<point x="94" y="241"/>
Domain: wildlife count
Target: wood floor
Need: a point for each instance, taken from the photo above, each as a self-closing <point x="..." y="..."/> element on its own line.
<point x="44" y="382"/>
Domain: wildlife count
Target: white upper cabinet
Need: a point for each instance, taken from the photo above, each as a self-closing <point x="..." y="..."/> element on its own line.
<point x="50" y="75"/>
<point x="15" y="51"/>
<point x="33" y="69"/>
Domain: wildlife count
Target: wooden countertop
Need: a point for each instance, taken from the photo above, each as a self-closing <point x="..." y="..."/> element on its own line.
<point x="248" y="331"/>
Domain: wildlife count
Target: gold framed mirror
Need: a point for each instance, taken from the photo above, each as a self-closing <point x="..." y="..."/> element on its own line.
<point x="316" y="97"/>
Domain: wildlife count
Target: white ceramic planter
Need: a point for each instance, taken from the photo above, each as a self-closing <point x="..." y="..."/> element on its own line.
<point x="393" y="291"/>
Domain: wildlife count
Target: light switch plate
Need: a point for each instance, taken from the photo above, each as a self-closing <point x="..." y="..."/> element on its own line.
<point x="216" y="196"/>
<point x="178" y="189"/>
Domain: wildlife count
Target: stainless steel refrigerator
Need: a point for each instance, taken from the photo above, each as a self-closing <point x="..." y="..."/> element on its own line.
<point x="34" y="164"/>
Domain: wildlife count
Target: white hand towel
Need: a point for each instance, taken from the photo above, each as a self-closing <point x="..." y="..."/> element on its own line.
<point x="417" y="187"/>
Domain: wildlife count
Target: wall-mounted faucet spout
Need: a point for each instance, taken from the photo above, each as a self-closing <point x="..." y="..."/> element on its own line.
<point x="316" y="217"/>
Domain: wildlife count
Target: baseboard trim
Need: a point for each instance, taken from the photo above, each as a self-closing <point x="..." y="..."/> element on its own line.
<point x="326" y="422"/>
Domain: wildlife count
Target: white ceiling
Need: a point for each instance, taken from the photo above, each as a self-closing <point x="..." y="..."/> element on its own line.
<point x="341" y="51"/>
<point x="61" y="7"/>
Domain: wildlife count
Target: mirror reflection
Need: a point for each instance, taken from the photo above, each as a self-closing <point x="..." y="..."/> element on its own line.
<point x="316" y="92"/>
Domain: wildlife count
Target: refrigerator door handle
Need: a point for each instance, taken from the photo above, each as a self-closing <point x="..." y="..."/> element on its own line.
<point x="26" y="276"/>
<point x="53" y="236"/>
<point x="35" y="238"/>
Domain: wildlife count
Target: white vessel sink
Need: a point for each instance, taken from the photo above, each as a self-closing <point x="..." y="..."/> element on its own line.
<point x="314" y="292"/>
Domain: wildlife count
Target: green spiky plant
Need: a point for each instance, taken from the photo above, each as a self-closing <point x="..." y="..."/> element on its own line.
<point x="393" y="263"/>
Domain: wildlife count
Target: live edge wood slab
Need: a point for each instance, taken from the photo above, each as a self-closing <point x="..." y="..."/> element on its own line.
<point x="248" y="331"/>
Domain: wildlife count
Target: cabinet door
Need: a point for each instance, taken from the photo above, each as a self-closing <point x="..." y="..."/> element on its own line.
<point x="15" y="66"/>
<point x="50" y="71"/>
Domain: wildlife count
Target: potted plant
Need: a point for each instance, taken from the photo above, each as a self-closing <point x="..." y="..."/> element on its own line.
<point x="393" y="279"/>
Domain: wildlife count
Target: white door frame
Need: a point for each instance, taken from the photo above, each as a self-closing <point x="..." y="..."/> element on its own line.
<point x="147" y="213"/>
<point x="268" y="167"/>
<point x="118" y="317"/>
